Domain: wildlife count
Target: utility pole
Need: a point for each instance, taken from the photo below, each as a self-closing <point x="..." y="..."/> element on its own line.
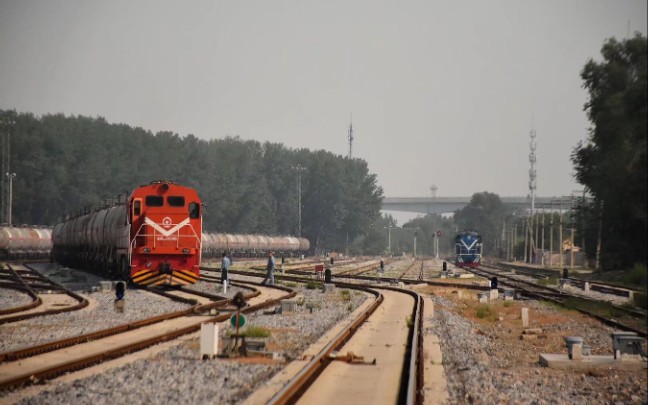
<point x="11" y="177"/>
<point x="543" y="238"/>
<point x="551" y="236"/>
<point x="8" y="125"/>
<point x="299" y="169"/>
<point x="415" y="235"/>
<point x="389" y="227"/>
<point x="560" y="247"/>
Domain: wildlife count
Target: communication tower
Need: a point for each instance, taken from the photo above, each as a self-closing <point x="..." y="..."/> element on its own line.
<point x="532" y="170"/>
<point x="351" y="138"/>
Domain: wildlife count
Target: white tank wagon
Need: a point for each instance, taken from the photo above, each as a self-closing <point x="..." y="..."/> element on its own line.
<point x="21" y="242"/>
<point x="214" y="244"/>
<point x="92" y="239"/>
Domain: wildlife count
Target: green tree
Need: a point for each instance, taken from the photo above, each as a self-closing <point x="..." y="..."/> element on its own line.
<point x="484" y="214"/>
<point x="612" y="162"/>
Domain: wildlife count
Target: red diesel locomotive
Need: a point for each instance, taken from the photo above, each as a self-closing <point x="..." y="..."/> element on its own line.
<point x="154" y="238"/>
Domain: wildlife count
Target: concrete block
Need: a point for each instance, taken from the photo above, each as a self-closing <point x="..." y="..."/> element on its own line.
<point x="525" y="317"/>
<point x="493" y="294"/>
<point x="288" y="306"/>
<point x="120" y="305"/>
<point x="529" y="337"/>
<point x="329" y="288"/>
<point x="586" y="286"/>
<point x="577" y="352"/>
<point x="533" y="331"/>
<point x="482" y="297"/>
<point x="106" y="286"/>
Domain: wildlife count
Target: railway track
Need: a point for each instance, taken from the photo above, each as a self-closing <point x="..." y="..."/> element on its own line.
<point x="62" y="357"/>
<point x="616" y="316"/>
<point x="48" y="297"/>
<point x="370" y="335"/>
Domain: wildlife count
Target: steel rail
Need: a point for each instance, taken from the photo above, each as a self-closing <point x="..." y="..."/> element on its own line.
<point x="60" y="344"/>
<point x="83" y="302"/>
<point x="86" y="361"/>
<point x="412" y="378"/>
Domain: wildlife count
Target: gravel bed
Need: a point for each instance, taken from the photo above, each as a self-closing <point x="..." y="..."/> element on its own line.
<point x="10" y="298"/>
<point x="487" y="363"/>
<point x="98" y="316"/>
<point x="177" y="375"/>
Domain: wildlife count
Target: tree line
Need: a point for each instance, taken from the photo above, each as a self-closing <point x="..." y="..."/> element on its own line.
<point x="64" y="164"/>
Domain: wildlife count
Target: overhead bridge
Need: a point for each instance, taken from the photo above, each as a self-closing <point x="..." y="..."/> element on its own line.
<point x="443" y="205"/>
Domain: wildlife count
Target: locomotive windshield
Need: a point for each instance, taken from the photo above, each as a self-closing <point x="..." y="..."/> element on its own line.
<point x="176" y="201"/>
<point x="154" y="201"/>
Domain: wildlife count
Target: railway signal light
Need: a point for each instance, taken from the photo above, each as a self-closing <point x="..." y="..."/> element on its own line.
<point x="120" y="290"/>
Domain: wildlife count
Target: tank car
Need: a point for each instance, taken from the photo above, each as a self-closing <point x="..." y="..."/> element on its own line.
<point x="468" y="249"/>
<point x="24" y="242"/>
<point x="252" y="245"/>
<point x="154" y="238"/>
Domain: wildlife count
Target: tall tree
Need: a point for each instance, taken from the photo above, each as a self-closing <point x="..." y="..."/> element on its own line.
<point x="484" y="214"/>
<point x="612" y="162"/>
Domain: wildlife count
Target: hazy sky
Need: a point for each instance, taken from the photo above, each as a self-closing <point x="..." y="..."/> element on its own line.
<point x="441" y="92"/>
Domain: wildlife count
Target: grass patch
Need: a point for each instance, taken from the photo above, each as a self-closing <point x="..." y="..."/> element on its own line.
<point x="409" y="322"/>
<point x="346" y="295"/>
<point x="507" y="304"/>
<point x="548" y="281"/>
<point x="313" y="285"/>
<point x="290" y="284"/>
<point x="483" y="311"/>
<point x="641" y="300"/>
<point x="253" y="331"/>
<point x="637" y="277"/>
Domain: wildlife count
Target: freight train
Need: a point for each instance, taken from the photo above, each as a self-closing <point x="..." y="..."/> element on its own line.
<point x="214" y="244"/>
<point x="153" y="238"/>
<point x="468" y="249"/>
<point x="26" y="242"/>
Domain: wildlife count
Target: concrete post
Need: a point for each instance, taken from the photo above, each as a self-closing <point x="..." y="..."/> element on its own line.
<point x="525" y="317"/>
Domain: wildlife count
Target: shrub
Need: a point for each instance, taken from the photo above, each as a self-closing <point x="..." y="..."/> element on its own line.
<point x="255" y="332"/>
<point x="346" y="295"/>
<point x="313" y="285"/>
<point x="638" y="276"/>
<point x="641" y="300"/>
<point x="508" y="304"/>
<point x="483" y="311"/>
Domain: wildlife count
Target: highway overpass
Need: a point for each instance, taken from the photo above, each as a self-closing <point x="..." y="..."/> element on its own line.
<point x="442" y="205"/>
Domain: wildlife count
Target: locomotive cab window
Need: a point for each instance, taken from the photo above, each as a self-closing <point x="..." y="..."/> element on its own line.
<point x="176" y="201"/>
<point x="194" y="210"/>
<point x="137" y="207"/>
<point x="154" y="201"/>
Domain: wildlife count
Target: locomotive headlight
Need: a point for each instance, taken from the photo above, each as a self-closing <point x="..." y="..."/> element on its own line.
<point x="185" y="251"/>
<point x="146" y="250"/>
<point x="149" y="264"/>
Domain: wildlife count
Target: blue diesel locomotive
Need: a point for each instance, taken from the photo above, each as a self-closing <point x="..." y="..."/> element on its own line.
<point x="468" y="249"/>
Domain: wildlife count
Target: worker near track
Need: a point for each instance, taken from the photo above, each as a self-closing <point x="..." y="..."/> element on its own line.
<point x="225" y="265"/>
<point x="270" y="270"/>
